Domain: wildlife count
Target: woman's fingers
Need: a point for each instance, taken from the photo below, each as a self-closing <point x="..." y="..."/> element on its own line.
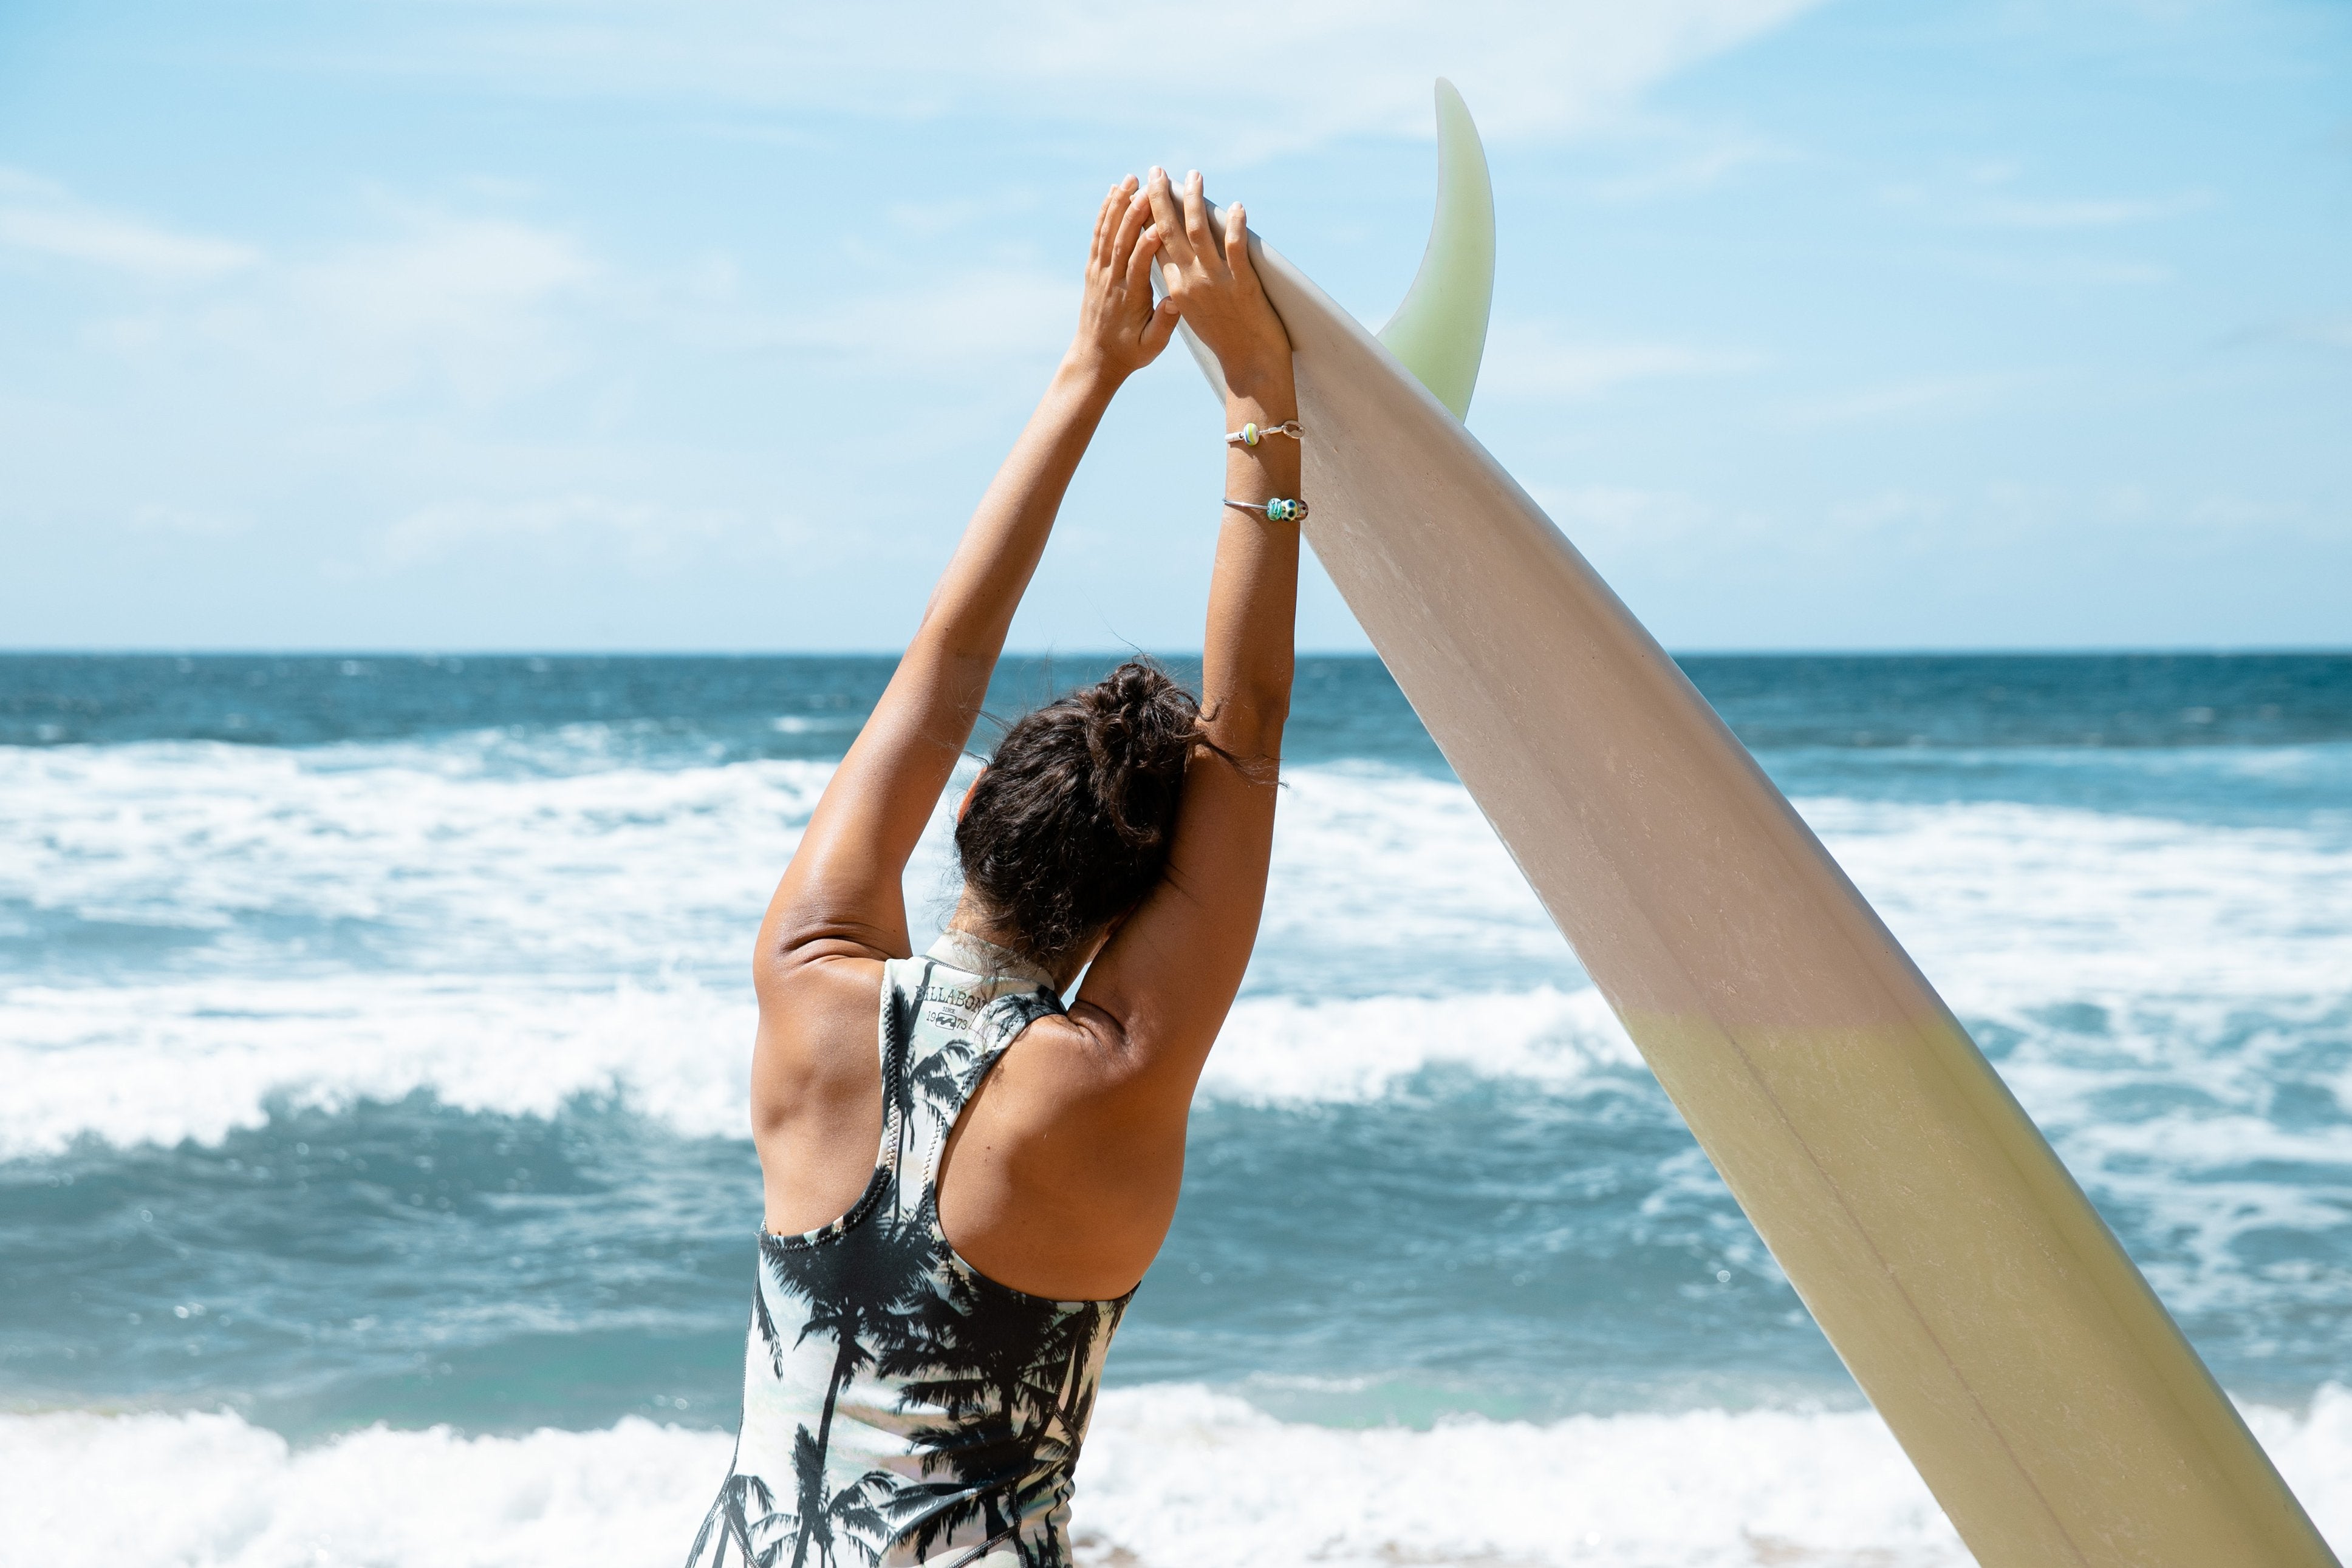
<point x="1237" y="255"/>
<point x="1138" y="266"/>
<point x="1196" y="217"/>
<point x="1131" y="218"/>
<point x="1167" y="217"/>
<point x="1160" y="328"/>
<point x="1098" y="252"/>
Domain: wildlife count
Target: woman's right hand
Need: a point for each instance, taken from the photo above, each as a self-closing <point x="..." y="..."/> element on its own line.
<point x="1216" y="290"/>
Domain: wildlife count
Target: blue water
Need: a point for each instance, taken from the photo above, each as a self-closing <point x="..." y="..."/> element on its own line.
<point x="374" y="1031"/>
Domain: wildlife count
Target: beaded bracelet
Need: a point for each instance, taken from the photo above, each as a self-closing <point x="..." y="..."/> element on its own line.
<point x="1251" y="434"/>
<point x="1276" y="510"/>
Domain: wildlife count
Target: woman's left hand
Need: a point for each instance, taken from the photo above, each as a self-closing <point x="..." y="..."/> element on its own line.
<point x="1119" y="329"/>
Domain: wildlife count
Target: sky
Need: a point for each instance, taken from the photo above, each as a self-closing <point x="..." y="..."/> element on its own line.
<point x="611" y="325"/>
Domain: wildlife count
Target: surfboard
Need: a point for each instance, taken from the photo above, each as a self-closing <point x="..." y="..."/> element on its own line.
<point x="2046" y="1396"/>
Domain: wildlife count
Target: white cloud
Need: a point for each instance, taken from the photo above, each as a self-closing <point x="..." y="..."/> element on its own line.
<point x="474" y="307"/>
<point x="561" y="524"/>
<point x="469" y="303"/>
<point x="1894" y="513"/>
<point x="446" y="272"/>
<point x="1699" y="168"/>
<point x="1936" y="395"/>
<point x="929" y="328"/>
<point x="473" y="310"/>
<point x="1242" y="76"/>
<point x="42" y="219"/>
<point x="1531" y="360"/>
<point x="193" y="522"/>
<point x="1981" y="197"/>
<point x="2088" y="213"/>
<point x="2060" y="270"/>
<point x="1623" y="516"/>
<point x="2332" y="333"/>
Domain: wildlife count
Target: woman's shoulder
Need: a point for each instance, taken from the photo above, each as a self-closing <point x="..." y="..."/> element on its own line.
<point x="819" y="981"/>
<point x="816" y="1089"/>
<point x="817" y="1027"/>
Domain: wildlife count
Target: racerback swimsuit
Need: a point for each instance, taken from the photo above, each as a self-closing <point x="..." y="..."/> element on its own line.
<point x="899" y="1407"/>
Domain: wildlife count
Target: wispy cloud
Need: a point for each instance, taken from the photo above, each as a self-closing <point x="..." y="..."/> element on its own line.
<point x="467" y="311"/>
<point x="193" y="522"/>
<point x="474" y="309"/>
<point x="923" y="328"/>
<point x="470" y="303"/>
<point x="2332" y="333"/>
<point x="2087" y="213"/>
<point x="1984" y="196"/>
<point x="1535" y="360"/>
<point x="1917" y="396"/>
<point x="2062" y="269"/>
<point x="565" y="523"/>
<point x="1618" y="516"/>
<point x="1242" y="73"/>
<point x="44" y="219"/>
<point x="1691" y="160"/>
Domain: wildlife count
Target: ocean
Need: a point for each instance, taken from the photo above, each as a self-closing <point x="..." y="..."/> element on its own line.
<point x="375" y="1185"/>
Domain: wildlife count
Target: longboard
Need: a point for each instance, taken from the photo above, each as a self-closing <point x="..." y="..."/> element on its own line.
<point x="2046" y="1396"/>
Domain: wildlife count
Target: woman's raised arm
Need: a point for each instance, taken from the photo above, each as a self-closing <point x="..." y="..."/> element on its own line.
<point x="841" y="896"/>
<point x="1162" y="985"/>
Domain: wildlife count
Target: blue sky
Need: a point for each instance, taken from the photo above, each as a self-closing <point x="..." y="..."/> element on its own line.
<point x="574" y="324"/>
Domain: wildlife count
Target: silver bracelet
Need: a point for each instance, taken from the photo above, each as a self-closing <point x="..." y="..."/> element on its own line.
<point x="1251" y="434"/>
<point x="1274" y="511"/>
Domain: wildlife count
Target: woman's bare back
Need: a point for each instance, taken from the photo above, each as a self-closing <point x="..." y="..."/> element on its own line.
<point x="1056" y="1182"/>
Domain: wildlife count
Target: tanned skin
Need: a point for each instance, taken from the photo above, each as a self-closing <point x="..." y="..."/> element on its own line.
<point x="1061" y="1176"/>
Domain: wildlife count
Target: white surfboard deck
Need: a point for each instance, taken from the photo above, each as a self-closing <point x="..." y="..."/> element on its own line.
<point x="2043" y="1392"/>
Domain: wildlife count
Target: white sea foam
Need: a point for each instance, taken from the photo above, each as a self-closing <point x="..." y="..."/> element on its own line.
<point x="1402" y="868"/>
<point x="2006" y="904"/>
<point x="441" y="858"/>
<point x="458" y="856"/>
<point x="1282" y="1052"/>
<point x="214" y="1491"/>
<point x="508" y="930"/>
<point x="1173" y="1475"/>
<point x="1182" y="1475"/>
<point x="159" y="1064"/>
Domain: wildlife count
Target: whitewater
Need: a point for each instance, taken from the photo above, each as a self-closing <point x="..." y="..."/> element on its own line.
<point x="373" y="1182"/>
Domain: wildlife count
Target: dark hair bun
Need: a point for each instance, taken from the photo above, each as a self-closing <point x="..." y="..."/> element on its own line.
<point x="1068" y="829"/>
<point x="1138" y="725"/>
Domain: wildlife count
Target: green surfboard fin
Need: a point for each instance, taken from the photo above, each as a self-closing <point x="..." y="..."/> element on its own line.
<point x="1439" y="332"/>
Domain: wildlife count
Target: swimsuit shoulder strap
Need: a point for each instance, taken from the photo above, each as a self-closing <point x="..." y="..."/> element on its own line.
<point x="941" y="1029"/>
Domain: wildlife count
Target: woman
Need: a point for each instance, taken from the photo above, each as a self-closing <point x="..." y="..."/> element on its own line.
<point x="929" y="1323"/>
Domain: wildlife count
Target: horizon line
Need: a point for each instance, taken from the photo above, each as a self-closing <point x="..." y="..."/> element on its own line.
<point x="2087" y="650"/>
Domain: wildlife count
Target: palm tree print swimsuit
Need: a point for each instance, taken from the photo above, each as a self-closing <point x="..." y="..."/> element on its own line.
<point x="901" y="1408"/>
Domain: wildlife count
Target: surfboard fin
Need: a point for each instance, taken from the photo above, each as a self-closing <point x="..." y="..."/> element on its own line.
<point x="1439" y="332"/>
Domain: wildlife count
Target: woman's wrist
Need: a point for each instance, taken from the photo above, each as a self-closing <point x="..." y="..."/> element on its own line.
<point x="1269" y="384"/>
<point x="1087" y="375"/>
<point x="1263" y="403"/>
